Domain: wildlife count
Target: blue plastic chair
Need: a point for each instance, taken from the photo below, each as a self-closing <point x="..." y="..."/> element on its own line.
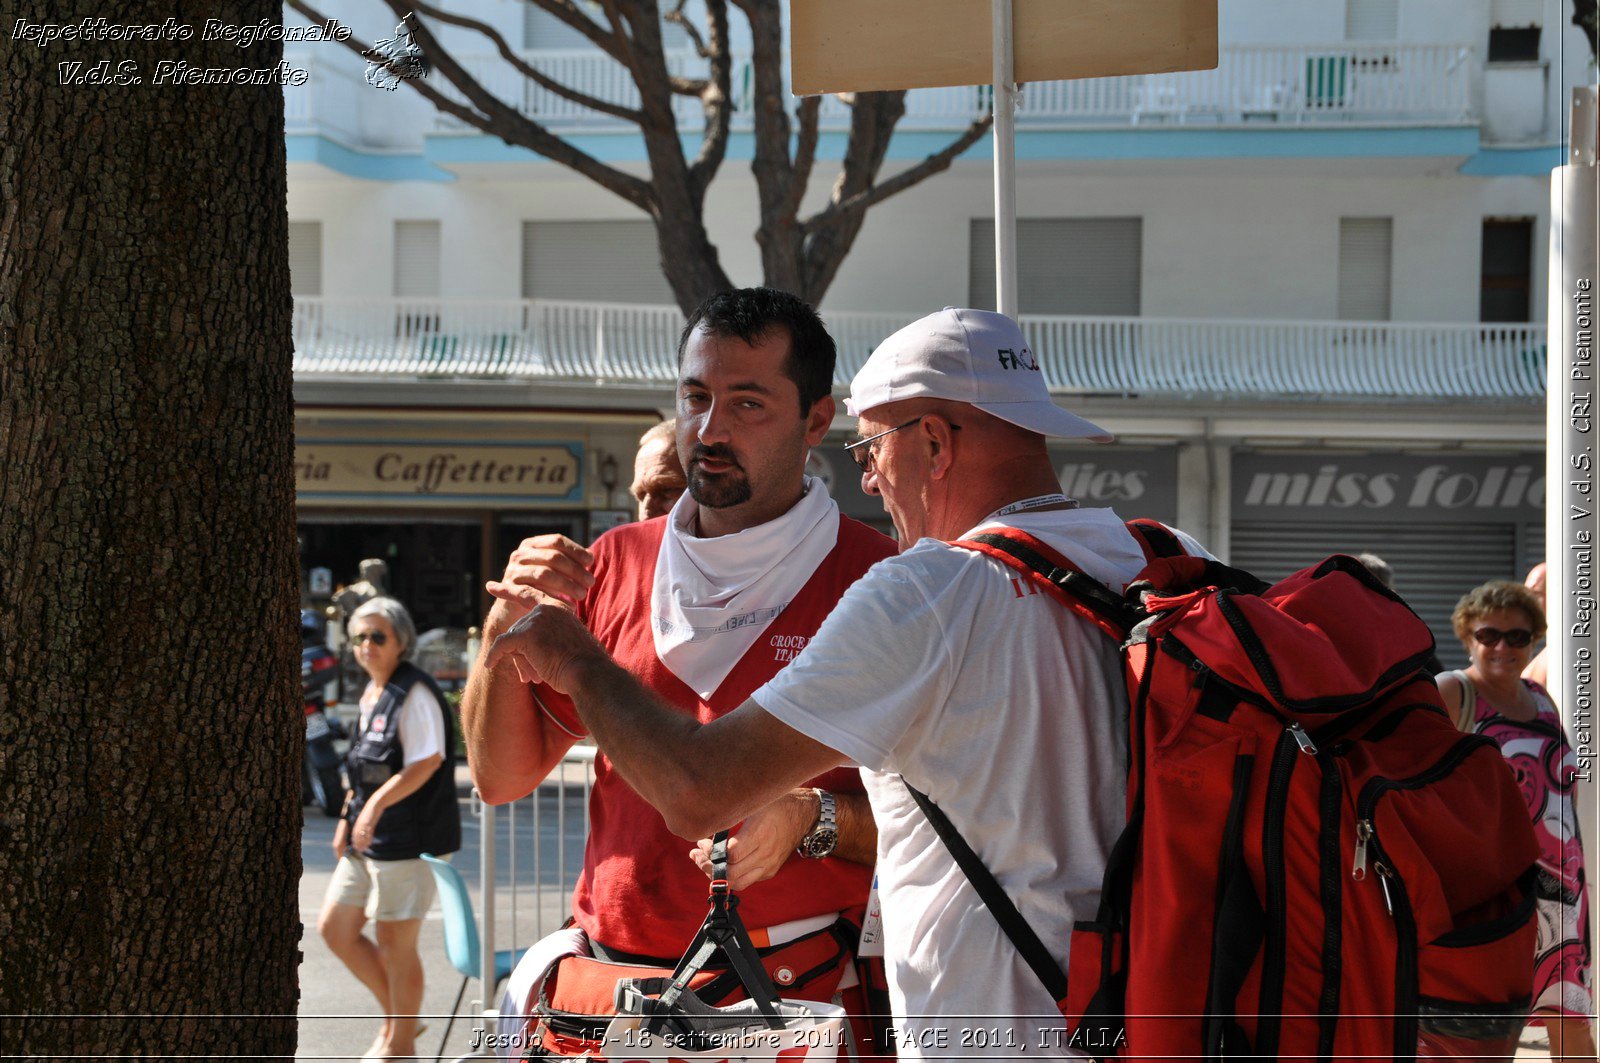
<point x="461" y="939"/>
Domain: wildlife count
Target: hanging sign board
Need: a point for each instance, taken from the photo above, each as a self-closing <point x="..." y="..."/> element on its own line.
<point x="875" y="45"/>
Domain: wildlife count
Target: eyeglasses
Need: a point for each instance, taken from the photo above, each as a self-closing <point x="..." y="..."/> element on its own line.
<point x="377" y="638"/>
<point x="862" y="454"/>
<point x="1516" y="638"/>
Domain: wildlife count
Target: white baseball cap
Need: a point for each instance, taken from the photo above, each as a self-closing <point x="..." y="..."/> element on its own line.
<point x="972" y="356"/>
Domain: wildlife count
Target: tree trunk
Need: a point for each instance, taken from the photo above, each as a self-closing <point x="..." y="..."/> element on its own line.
<point x="149" y="728"/>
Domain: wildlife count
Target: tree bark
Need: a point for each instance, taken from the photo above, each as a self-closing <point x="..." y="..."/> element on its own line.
<point x="150" y="733"/>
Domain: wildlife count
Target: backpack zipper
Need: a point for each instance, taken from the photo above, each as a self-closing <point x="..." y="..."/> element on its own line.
<point x="1293" y="739"/>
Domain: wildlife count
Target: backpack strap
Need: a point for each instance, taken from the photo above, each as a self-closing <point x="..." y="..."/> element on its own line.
<point x="1060" y="578"/>
<point x="1155" y="539"/>
<point x="1033" y="951"/>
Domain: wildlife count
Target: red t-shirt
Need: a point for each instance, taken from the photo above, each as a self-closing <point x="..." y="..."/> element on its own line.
<point x="639" y="892"/>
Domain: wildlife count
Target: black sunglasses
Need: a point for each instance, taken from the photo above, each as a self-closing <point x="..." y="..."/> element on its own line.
<point x="378" y="638"/>
<point x="1516" y="638"/>
<point x="862" y="454"/>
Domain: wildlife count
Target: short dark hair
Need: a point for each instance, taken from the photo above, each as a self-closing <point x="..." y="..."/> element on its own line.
<point x="752" y="313"/>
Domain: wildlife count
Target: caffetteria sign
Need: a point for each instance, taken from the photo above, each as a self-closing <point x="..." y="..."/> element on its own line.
<point x="1404" y="488"/>
<point x="442" y="471"/>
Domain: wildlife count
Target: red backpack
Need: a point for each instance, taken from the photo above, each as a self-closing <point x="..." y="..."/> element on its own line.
<point x="1316" y="863"/>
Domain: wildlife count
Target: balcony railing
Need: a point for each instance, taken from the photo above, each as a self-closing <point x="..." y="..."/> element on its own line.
<point x="618" y="344"/>
<point x="1386" y="82"/>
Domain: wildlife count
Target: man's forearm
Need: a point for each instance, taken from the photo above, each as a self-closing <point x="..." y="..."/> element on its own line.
<point x="504" y="736"/>
<point x="858" y="832"/>
<point x="655" y="748"/>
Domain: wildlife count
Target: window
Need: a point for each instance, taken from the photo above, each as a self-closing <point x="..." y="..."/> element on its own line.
<point x="1371" y="20"/>
<point x="595" y="261"/>
<point x="416" y="259"/>
<point x="416" y="274"/>
<point x="305" y="257"/>
<point x="1365" y="266"/>
<point x="1519" y="45"/>
<point x="1506" y="288"/>
<point x="1064" y="265"/>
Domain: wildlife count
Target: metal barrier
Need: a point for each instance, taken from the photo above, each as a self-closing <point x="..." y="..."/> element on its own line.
<point x="541" y="838"/>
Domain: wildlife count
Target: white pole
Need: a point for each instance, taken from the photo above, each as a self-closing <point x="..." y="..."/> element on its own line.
<point x="1005" y="163"/>
<point x="1570" y="455"/>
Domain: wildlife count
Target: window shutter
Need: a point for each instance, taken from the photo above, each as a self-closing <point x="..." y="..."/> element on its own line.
<point x="416" y="259"/>
<point x="1064" y="265"/>
<point x="544" y="31"/>
<point x="593" y="261"/>
<point x="1516" y="14"/>
<point x="1365" y="262"/>
<point x="1372" y="20"/>
<point x="305" y="257"/>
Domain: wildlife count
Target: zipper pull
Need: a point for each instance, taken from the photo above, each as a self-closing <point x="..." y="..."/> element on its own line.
<point x="1363" y="834"/>
<point x="1302" y="739"/>
<point x="1384" y="874"/>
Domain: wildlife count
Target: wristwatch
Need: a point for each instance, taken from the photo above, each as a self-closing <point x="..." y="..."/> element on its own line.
<point x="824" y="837"/>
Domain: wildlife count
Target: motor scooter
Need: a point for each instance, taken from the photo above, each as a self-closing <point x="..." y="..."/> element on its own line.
<point x="321" y="781"/>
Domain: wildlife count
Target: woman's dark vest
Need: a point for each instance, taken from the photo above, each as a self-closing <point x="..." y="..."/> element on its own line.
<point x="428" y="821"/>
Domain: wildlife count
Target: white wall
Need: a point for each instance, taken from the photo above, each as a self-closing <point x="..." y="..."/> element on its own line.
<point x="1215" y="246"/>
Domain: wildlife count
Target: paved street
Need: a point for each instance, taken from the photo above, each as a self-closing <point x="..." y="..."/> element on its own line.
<point x="337" y="1014"/>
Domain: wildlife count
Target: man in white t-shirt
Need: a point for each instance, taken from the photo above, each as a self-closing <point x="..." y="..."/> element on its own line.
<point x="938" y="666"/>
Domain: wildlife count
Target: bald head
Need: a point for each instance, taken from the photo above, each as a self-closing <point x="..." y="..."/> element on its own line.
<point x="658" y="477"/>
<point x="944" y="465"/>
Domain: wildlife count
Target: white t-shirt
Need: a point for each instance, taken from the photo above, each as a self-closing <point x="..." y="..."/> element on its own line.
<point x="1011" y="713"/>
<point x="419" y="726"/>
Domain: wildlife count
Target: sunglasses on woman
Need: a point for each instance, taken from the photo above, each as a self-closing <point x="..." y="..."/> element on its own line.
<point x="1516" y="638"/>
<point x="378" y="638"/>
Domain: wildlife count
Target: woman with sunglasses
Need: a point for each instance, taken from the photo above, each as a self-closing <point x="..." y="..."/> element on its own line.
<point x="1498" y="623"/>
<point x="401" y="804"/>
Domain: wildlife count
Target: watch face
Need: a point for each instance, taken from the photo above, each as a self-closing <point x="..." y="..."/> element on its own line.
<point x="822" y="842"/>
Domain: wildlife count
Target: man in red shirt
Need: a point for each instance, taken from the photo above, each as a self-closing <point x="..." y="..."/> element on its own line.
<point x="703" y="605"/>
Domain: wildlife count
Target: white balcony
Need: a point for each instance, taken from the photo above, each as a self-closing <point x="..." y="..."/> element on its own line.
<point x="609" y="343"/>
<point x="1343" y="83"/>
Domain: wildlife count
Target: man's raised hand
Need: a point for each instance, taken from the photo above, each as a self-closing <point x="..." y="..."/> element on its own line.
<point x="544" y="565"/>
<point x="544" y="643"/>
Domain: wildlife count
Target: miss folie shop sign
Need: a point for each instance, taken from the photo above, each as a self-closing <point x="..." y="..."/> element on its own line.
<point x="439" y="471"/>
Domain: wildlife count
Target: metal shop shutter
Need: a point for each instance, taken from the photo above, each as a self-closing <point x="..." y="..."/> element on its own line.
<point x="593" y="261"/>
<point x="416" y="259"/>
<point x="305" y="257"/>
<point x="1434" y="564"/>
<point x="1064" y="265"/>
<point x="1372" y="20"/>
<point x="1366" y="257"/>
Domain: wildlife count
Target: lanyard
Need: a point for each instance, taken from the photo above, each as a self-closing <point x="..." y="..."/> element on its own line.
<point x="1036" y="502"/>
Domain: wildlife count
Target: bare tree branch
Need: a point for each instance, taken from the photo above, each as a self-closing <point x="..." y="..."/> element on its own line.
<point x="682" y="86"/>
<point x="871" y="197"/>
<point x="583" y="99"/>
<point x="364" y="51"/>
<point x="805" y="152"/>
<point x="678" y="18"/>
<point x="496" y="119"/>
<point x="716" y="99"/>
<point x="569" y="13"/>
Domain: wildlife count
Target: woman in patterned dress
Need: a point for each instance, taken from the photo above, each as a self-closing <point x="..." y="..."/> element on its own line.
<point x="1498" y="623"/>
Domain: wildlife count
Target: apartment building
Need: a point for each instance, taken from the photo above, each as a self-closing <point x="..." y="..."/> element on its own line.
<point x="1306" y="290"/>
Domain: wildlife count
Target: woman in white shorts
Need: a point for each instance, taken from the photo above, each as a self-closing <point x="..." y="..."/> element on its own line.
<point x="401" y="804"/>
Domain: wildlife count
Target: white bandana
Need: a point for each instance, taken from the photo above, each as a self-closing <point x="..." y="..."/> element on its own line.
<point x="714" y="597"/>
